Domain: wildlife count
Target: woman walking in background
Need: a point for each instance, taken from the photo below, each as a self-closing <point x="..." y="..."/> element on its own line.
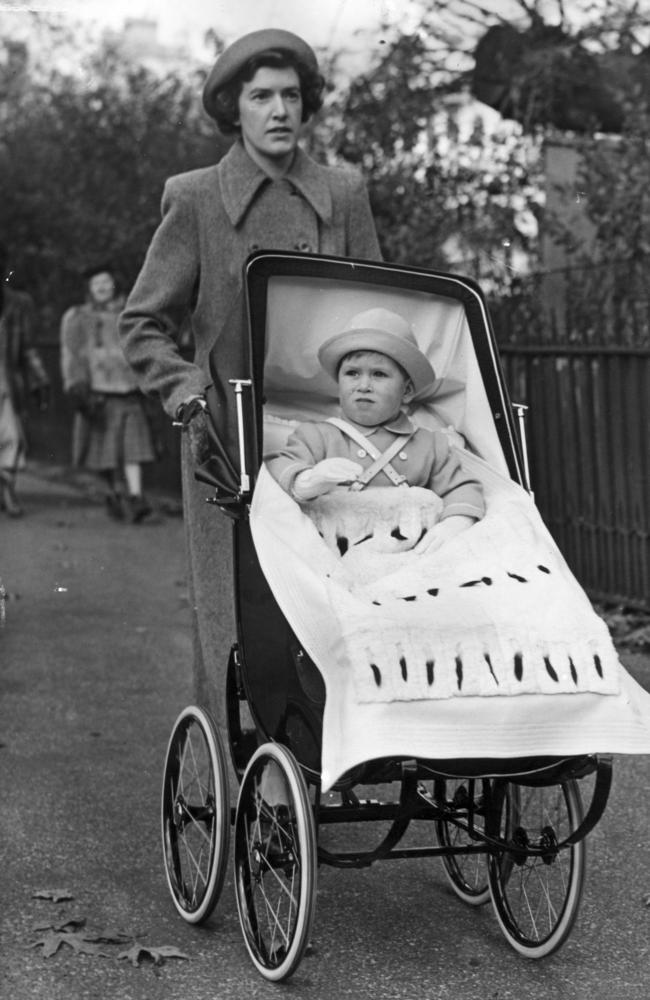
<point x="111" y="434"/>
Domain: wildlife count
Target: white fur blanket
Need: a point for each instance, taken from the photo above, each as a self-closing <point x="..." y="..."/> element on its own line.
<point x="595" y="706"/>
<point x="495" y="611"/>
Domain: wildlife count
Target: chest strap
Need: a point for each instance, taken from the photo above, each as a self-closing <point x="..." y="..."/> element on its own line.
<point x="381" y="460"/>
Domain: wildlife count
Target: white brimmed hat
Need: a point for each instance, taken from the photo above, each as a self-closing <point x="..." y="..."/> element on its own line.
<point x="385" y="332"/>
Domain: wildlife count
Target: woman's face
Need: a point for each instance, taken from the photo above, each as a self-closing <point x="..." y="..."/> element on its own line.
<point x="270" y="116"/>
<point x="101" y="287"/>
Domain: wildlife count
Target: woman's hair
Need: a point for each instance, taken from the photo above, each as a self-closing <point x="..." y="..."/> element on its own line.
<point x="226" y="101"/>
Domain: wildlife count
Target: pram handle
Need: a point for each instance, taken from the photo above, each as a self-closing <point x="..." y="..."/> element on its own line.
<point x="521" y="410"/>
<point x="244" y="478"/>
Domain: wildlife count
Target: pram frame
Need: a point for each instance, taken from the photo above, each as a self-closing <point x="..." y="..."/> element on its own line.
<point x="262" y="674"/>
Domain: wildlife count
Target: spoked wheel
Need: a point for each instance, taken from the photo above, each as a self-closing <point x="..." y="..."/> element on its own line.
<point x="536" y="895"/>
<point x="275" y="861"/>
<point x="195" y="815"/>
<point x="467" y="873"/>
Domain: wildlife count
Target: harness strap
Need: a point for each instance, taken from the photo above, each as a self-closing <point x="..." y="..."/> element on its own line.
<point x="381" y="460"/>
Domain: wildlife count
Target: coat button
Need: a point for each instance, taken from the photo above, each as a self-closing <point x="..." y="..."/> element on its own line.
<point x="253" y="247"/>
<point x="361" y="453"/>
<point x="303" y="246"/>
<point x="402" y="454"/>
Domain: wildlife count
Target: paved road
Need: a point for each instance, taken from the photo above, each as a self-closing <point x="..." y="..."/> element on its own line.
<point x="93" y="670"/>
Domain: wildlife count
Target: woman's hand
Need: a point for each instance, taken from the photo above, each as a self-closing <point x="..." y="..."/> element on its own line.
<point x="324" y="477"/>
<point x="443" y="531"/>
<point x="193" y="420"/>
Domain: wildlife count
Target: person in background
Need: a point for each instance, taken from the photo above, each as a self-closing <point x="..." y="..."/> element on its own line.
<point x="22" y="376"/>
<point x="266" y="193"/>
<point x="111" y="433"/>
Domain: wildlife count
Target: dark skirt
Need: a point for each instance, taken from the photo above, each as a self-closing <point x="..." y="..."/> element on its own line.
<point x="119" y="434"/>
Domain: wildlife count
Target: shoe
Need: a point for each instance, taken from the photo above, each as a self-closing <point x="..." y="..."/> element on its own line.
<point x="138" y="508"/>
<point x="115" y="506"/>
<point x="9" y="503"/>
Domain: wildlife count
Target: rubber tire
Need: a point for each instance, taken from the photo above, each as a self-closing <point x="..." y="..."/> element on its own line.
<point x="275" y="862"/>
<point x="467" y="874"/>
<point x="548" y="892"/>
<point x="195" y="850"/>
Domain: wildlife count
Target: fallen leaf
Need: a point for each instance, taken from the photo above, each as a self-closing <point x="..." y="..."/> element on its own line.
<point x="55" y="895"/>
<point x="138" y="952"/>
<point x="79" y="943"/>
<point x="71" y="923"/>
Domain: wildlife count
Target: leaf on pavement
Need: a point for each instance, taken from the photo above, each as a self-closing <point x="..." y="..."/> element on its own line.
<point x="70" y="923"/>
<point x="79" y="943"/>
<point x="55" y="895"/>
<point x="139" y="952"/>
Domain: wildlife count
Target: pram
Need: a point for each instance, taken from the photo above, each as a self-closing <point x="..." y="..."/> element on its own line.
<point x="510" y="828"/>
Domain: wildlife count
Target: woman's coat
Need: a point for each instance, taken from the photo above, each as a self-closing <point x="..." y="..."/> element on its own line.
<point x="213" y="219"/>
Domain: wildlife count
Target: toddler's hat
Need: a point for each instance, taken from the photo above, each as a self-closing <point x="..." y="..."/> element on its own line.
<point x="235" y="57"/>
<point x="385" y="332"/>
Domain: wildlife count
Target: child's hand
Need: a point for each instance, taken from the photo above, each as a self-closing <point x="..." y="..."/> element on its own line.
<point x="442" y="532"/>
<point x="325" y="476"/>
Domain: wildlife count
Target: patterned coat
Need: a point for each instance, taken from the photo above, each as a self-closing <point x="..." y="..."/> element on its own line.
<point x="213" y="219"/>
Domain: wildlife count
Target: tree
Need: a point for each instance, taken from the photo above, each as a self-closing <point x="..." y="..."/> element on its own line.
<point x="452" y="193"/>
<point x="447" y="191"/>
<point x="84" y="154"/>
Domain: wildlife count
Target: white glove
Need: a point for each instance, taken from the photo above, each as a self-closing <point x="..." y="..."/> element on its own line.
<point x="443" y="532"/>
<point x="325" y="476"/>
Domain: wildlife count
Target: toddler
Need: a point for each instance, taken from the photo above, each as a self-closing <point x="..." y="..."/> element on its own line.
<point x="379" y="369"/>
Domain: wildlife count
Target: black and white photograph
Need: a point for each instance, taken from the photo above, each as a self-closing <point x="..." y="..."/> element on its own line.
<point x="324" y="499"/>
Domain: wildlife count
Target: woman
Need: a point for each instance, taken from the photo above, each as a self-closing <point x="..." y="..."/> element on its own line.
<point x="111" y="433"/>
<point x="266" y="193"/>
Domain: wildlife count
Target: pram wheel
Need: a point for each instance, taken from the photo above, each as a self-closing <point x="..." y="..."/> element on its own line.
<point x="275" y="861"/>
<point x="195" y="815"/>
<point x="536" y="892"/>
<point x="467" y="873"/>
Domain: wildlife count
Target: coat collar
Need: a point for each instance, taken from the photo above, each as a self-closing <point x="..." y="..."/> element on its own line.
<point x="241" y="179"/>
<point x="401" y="424"/>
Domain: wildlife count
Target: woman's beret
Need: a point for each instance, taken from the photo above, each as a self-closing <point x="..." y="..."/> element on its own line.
<point x="235" y="57"/>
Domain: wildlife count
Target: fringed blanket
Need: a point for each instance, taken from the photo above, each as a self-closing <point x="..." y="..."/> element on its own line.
<point x="410" y="645"/>
<point x="495" y="611"/>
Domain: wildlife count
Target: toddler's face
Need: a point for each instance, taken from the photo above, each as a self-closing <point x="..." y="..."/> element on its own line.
<point x="372" y="388"/>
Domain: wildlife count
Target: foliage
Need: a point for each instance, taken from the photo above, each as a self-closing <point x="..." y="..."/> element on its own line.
<point x="87" y="141"/>
<point x="84" y="154"/>
<point x="447" y="191"/>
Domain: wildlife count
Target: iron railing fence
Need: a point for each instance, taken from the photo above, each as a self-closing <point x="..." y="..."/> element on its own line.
<point x="589" y="446"/>
<point x="590" y="304"/>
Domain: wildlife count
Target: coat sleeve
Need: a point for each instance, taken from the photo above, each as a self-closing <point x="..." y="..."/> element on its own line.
<point x="75" y="367"/>
<point x="160" y="302"/>
<point x="304" y="448"/>
<point x="460" y="493"/>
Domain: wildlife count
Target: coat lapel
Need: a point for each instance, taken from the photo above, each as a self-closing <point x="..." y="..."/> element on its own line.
<point x="241" y="180"/>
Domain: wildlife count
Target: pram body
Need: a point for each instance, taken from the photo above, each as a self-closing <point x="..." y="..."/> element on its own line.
<point x="513" y="829"/>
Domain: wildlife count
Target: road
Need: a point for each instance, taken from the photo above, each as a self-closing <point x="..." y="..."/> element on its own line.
<point x="94" y="668"/>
